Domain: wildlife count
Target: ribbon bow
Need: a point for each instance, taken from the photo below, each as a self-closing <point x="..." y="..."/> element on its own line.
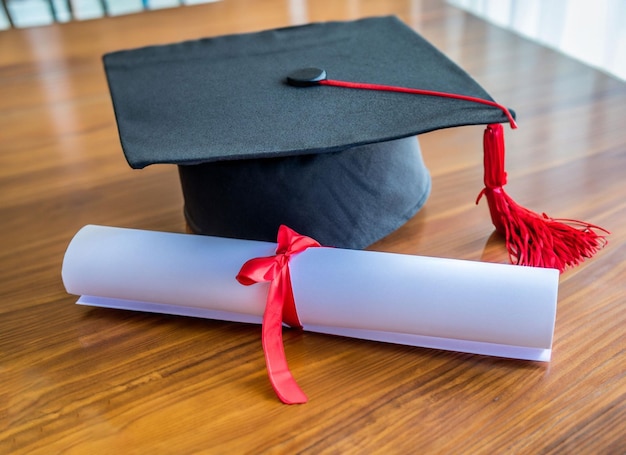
<point x="280" y="307"/>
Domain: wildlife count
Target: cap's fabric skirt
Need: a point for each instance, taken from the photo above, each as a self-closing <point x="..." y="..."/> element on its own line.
<point x="345" y="199"/>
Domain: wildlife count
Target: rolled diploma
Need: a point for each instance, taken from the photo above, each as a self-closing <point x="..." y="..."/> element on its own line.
<point x="466" y="306"/>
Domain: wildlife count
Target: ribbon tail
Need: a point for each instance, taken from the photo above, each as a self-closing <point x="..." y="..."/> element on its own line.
<point x="280" y="377"/>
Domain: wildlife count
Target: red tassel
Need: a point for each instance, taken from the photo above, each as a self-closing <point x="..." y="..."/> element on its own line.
<point x="532" y="239"/>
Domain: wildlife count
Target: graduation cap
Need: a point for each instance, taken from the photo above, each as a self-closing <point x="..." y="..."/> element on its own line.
<point x="314" y="127"/>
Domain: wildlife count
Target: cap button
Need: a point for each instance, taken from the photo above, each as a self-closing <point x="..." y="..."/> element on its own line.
<point x="306" y="77"/>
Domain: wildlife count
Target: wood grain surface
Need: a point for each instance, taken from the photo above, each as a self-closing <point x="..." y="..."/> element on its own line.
<point x="77" y="380"/>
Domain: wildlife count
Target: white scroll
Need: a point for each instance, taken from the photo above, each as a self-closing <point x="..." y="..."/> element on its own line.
<point x="466" y="306"/>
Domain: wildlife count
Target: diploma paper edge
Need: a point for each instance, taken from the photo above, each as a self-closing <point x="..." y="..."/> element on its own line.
<point x="163" y="308"/>
<point x="446" y="344"/>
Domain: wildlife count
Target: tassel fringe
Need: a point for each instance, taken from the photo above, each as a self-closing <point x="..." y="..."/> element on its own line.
<point x="540" y="241"/>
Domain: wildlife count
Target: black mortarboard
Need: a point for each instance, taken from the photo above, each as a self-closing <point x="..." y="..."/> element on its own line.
<point x="255" y="150"/>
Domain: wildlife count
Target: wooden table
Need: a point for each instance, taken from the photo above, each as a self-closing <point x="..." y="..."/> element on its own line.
<point x="76" y="380"/>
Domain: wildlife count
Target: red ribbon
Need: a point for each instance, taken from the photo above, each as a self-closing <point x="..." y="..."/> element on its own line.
<point x="280" y="307"/>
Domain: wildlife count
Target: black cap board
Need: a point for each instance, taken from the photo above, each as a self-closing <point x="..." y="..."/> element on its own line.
<point x="257" y="146"/>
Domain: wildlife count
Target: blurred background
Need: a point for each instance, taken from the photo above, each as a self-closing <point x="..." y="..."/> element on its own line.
<point x="32" y="13"/>
<point x="593" y="32"/>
